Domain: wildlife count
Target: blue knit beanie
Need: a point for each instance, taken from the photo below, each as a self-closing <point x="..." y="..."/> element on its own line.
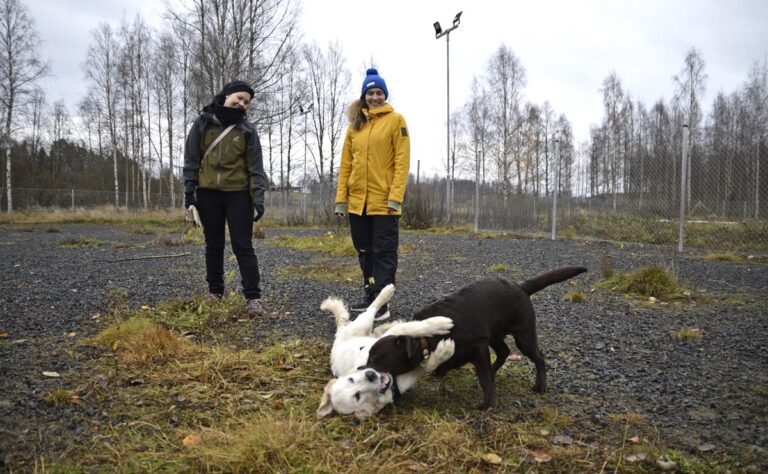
<point x="372" y="79"/>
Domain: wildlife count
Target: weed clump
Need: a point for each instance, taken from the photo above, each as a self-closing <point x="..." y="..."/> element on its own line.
<point x="651" y="281"/>
<point x="142" y="342"/>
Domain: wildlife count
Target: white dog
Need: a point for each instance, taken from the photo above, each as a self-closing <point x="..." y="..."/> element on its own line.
<point x="362" y="391"/>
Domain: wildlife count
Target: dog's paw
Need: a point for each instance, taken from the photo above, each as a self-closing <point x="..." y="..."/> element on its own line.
<point x="439" y="325"/>
<point x="336" y="307"/>
<point x="444" y="351"/>
<point x="385" y="295"/>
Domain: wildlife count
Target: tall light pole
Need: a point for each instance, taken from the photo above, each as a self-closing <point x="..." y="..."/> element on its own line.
<point x="439" y="33"/>
<point x="304" y="112"/>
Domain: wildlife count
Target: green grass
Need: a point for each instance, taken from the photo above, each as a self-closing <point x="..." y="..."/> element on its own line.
<point x="688" y="334"/>
<point x="746" y="236"/>
<point x="646" y="282"/>
<point x="219" y="407"/>
<point x="329" y="243"/>
<point x="84" y="243"/>
<point x="323" y="269"/>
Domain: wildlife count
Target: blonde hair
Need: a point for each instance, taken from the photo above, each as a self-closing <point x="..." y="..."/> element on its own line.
<point x="356" y="114"/>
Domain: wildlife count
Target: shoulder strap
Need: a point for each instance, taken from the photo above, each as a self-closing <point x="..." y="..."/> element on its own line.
<point x="218" y="139"/>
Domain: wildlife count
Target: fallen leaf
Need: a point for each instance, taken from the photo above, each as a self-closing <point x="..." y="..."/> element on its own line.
<point x="19" y="341"/>
<point x="652" y="299"/>
<point x="192" y="440"/>
<point x="634" y="439"/>
<point x="541" y="457"/>
<point x="491" y="458"/>
<point x="561" y="439"/>
<point x="145" y="307"/>
<point x="96" y="316"/>
<point x="706" y="447"/>
<point x="544" y="432"/>
<point x="514" y="357"/>
<point x="666" y="465"/>
<point x="51" y="374"/>
<point x="71" y="334"/>
<point x="4" y="334"/>
<point x="632" y="458"/>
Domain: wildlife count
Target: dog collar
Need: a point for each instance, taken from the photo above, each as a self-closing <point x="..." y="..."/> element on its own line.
<point x="395" y="389"/>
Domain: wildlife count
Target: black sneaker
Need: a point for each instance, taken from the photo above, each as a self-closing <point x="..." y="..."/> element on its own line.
<point x="382" y="313"/>
<point x="361" y="306"/>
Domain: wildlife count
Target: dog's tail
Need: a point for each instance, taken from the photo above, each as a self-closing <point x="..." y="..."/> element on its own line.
<point x="550" y="278"/>
<point x="338" y="308"/>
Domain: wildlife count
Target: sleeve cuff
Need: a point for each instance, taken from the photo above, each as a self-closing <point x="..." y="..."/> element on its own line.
<point x="394" y="205"/>
<point x="341" y="208"/>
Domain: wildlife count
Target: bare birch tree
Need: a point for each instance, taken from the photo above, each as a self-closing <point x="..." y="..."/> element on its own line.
<point x="690" y="85"/>
<point x="328" y="81"/>
<point x="20" y="69"/>
<point x="101" y="67"/>
<point x="506" y="79"/>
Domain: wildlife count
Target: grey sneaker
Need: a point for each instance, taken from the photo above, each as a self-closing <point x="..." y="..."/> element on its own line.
<point x="254" y="307"/>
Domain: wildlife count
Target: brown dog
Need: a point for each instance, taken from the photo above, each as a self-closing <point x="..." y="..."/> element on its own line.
<point x="483" y="312"/>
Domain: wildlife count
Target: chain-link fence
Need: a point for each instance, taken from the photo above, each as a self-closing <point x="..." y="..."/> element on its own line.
<point x="723" y="225"/>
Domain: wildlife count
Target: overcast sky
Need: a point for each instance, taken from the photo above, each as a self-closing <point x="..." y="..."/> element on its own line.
<point x="566" y="46"/>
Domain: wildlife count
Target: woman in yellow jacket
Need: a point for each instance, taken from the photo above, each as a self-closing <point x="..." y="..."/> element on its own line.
<point x="372" y="176"/>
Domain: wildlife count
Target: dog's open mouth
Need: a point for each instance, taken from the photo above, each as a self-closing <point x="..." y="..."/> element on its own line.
<point x="385" y="380"/>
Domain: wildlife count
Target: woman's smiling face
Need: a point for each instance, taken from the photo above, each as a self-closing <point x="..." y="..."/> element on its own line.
<point x="238" y="100"/>
<point x="374" y="97"/>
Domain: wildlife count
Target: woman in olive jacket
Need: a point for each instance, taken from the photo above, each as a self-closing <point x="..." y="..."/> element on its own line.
<point x="224" y="179"/>
<point x="373" y="174"/>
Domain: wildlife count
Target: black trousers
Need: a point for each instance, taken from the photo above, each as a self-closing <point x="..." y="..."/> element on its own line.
<point x="376" y="239"/>
<point x="235" y="208"/>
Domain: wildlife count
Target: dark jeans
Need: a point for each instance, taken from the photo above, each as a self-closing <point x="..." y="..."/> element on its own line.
<point x="236" y="209"/>
<point x="376" y="240"/>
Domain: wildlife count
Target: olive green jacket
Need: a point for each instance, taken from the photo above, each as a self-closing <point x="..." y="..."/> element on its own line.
<point x="234" y="164"/>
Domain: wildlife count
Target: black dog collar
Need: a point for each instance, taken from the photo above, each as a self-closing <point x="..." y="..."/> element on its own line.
<point x="395" y="389"/>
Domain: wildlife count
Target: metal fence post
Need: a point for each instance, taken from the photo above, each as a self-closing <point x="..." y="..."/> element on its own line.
<point x="477" y="191"/>
<point x="683" y="188"/>
<point x="73" y="202"/>
<point x="557" y="187"/>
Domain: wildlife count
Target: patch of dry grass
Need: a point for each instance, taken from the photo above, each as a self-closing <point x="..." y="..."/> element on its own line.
<point x="223" y="409"/>
<point x="575" y="297"/>
<point x="688" y="334"/>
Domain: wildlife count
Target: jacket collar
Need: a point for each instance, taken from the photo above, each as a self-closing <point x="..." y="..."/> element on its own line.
<point x="378" y="111"/>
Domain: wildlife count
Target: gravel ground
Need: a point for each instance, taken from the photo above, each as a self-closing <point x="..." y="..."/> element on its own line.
<point x="607" y="356"/>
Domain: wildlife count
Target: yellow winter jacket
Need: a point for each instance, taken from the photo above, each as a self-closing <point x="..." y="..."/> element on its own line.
<point x="374" y="165"/>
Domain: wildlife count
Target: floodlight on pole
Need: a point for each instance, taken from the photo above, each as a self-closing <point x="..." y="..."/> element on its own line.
<point x="439" y="33"/>
<point x="304" y="190"/>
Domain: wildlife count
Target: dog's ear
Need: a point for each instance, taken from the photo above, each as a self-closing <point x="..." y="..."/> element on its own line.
<point x="412" y="348"/>
<point x="326" y="407"/>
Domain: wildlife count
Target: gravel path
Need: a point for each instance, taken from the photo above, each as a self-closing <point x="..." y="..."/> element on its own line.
<point x="606" y="356"/>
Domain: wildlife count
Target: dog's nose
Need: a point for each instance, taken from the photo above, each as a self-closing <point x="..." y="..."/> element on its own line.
<point x="370" y="375"/>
